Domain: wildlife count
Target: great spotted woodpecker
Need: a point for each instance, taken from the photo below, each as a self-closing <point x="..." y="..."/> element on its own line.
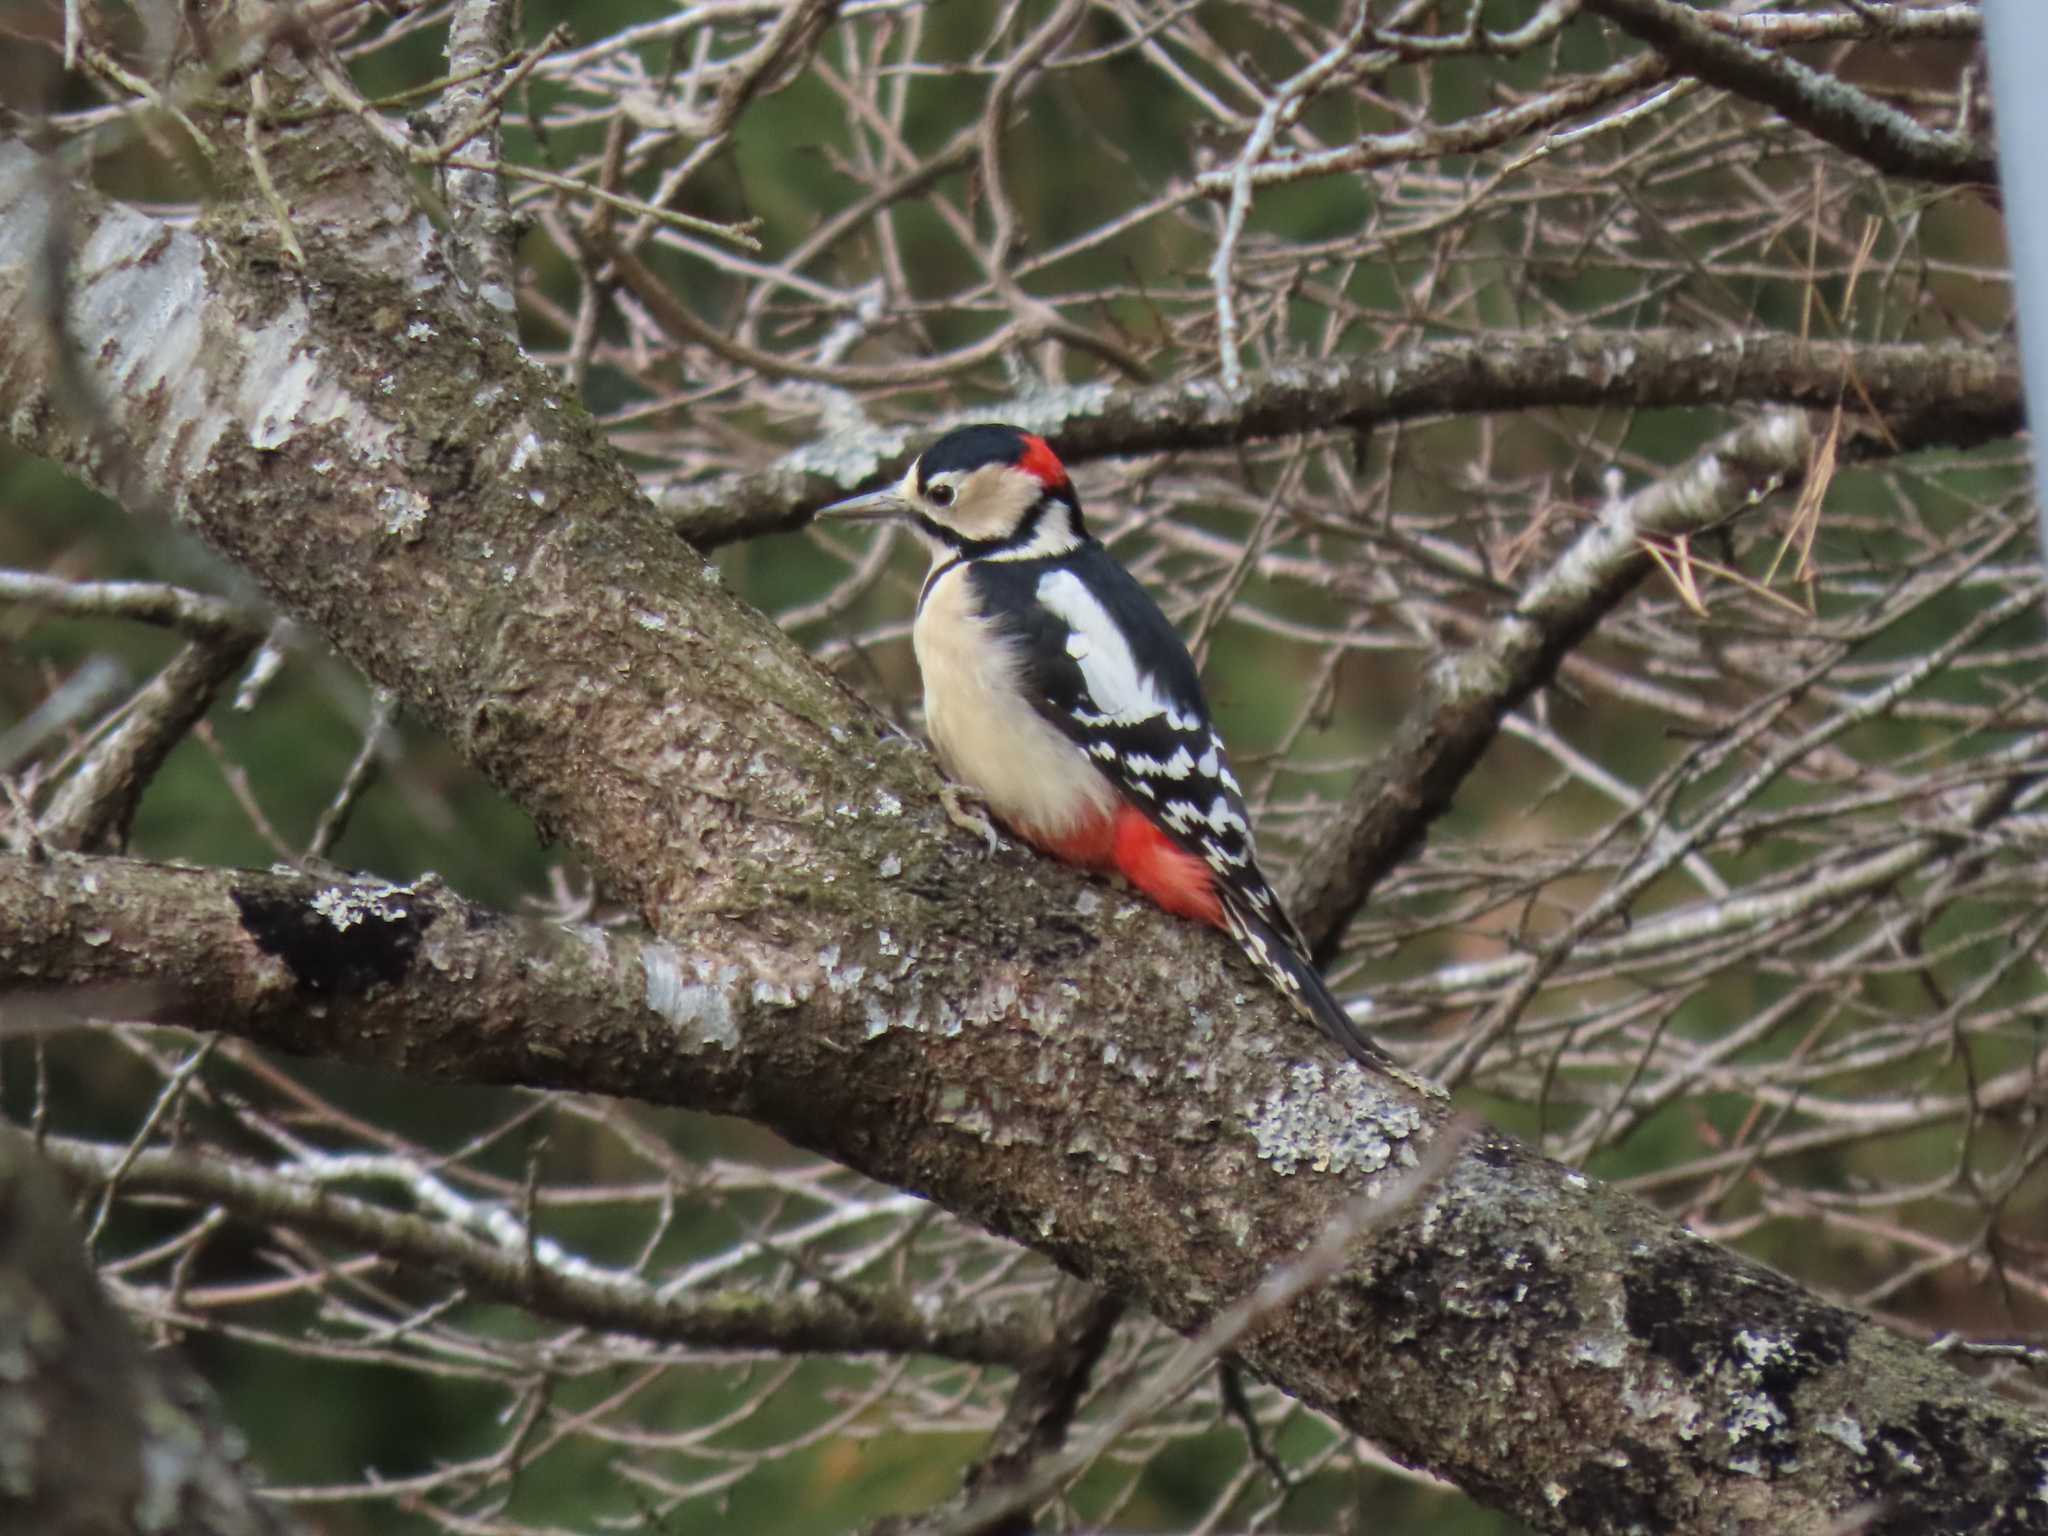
<point x="1056" y="691"/>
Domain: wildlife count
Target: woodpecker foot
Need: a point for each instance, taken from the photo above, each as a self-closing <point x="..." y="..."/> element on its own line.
<point x="967" y="819"/>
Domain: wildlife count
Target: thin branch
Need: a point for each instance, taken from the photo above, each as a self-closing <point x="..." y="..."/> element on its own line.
<point x="1827" y="107"/>
<point x="493" y="1252"/>
<point x="1280" y="112"/>
<point x="480" y="35"/>
<point x="92" y="810"/>
<point x="361" y="772"/>
<point x="1391" y="807"/>
<point x="1320" y="1260"/>
<point x="1473" y="135"/>
<point x="1928" y="394"/>
<point x="1620" y="893"/>
<point x="197" y="614"/>
<point x="1045" y="1401"/>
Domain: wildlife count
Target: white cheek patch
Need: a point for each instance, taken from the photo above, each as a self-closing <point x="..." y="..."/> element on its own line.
<point x="991" y="502"/>
<point x="1120" y="692"/>
<point x="1054" y="535"/>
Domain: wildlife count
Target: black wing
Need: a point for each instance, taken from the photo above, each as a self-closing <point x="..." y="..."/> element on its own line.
<point x="1105" y="667"/>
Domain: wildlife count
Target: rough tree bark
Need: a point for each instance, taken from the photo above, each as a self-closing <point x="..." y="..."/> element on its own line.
<point x="829" y="958"/>
<point x="96" y="1437"/>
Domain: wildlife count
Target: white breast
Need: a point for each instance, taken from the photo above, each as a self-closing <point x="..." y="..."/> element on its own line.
<point x="984" y="728"/>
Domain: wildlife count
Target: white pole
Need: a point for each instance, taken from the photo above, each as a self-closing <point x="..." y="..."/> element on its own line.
<point x="2016" y="38"/>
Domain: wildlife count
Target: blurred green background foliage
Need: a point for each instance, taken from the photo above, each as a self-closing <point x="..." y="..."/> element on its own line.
<point x="1678" y="235"/>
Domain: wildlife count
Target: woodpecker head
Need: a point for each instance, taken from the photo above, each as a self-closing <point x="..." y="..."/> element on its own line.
<point x="984" y="492"/>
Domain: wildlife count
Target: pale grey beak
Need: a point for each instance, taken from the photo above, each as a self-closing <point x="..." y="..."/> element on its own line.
<point x="874" y="506"/>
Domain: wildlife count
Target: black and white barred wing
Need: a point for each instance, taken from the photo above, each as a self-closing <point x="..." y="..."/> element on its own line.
<point x="1110" y="672"/>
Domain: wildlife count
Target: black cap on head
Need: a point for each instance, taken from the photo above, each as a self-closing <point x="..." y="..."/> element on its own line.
<point x="990" y="442"/>
<point x="970" y="447"/>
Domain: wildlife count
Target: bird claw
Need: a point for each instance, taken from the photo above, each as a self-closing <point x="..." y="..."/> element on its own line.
<point x="968" y="820"/>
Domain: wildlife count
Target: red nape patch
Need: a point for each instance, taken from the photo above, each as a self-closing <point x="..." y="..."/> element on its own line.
<point x="1177" y="880"/>
<point x="1041" y="462"/>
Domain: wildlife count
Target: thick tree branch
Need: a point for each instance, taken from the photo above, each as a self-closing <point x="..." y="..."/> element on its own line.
<point x="1828" y="108"/>
<point x="97" y="1437"/>
<point x="1925" y="394"/>
<point x="415" y="977"/>
<point x="839" y="966"/>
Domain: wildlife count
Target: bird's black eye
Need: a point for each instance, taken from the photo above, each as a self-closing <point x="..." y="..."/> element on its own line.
<point x="939" y="495"/>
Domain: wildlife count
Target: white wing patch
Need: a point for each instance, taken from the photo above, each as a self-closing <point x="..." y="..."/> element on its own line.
<point x="1120" y="692"/>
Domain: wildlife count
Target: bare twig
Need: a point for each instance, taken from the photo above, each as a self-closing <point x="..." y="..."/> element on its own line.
<point x="92" y="809"/>
<point x="1826" y="106"/>
<point x="1391" y="807"/>
<point x="492" y="1251"/>
<point x="1322" y="1259"/>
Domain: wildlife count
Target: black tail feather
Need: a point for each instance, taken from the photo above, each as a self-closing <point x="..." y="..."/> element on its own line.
<point x="1284" y="962"/>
